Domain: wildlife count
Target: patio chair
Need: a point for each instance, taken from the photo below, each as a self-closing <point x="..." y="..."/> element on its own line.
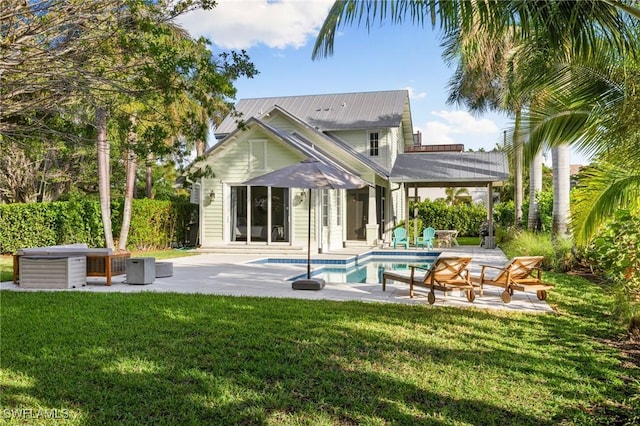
<point x="427" y="238"/>
<point x="454" y="237"/>
<point x="400" y="237"/>
<point x="520" y="273"/>
<point x="446" y="273"/>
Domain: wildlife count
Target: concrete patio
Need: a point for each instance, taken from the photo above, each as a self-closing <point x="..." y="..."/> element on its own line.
<point x="233" y="274"/>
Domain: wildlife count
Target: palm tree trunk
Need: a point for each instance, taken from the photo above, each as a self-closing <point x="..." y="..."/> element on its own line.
<point x="149" y="176"/>
<point x="104" y="181"/>
<point x="561" y="160"/>
<point x="535" y="186"/>
<point x="130" y="184"/>
<point x="517" y="143"/>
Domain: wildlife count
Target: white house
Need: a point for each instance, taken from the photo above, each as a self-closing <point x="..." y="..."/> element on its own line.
<point x="368" y="134"/>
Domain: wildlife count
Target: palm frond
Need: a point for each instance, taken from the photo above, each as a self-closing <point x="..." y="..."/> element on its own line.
<point x="604" y="188"/>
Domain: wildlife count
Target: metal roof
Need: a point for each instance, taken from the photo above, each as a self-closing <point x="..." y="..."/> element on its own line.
<point x="339" y="111"/>
<point x="451" y="168"/>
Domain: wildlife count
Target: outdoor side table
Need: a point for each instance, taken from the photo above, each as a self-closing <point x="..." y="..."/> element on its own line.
<point x="141" y="270"/>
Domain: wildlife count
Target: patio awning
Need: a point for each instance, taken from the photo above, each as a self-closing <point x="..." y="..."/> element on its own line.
<point x="461" y="169"/>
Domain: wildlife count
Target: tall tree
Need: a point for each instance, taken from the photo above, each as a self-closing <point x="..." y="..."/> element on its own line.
<point x="114" y="52"/>
<point x="486" y="78"/>
<point x="569" y="29"/>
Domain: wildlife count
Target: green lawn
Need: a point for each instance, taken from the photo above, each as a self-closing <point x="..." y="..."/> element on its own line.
<point x="149" y="358"/>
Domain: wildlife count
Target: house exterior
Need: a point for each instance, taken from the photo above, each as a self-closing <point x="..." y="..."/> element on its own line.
<point x="362" y="133"/>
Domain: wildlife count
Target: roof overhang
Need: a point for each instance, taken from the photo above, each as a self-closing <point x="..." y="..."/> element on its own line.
<point x="458" y="169"/>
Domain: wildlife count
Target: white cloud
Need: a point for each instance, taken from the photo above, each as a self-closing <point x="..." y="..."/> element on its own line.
<point x="436" y="133"/>
<point x="460" y="127"/>
<point x="240" y="24"/>
<point x="414" y="95"/>
<point x="463" y="122"/>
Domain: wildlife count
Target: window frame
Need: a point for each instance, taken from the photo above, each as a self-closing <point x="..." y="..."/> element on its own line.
<point x="373" y="138"/>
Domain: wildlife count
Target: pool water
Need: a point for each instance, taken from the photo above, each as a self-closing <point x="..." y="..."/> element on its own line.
<point x="368" y="272"/>
<point x="365" y="268"/>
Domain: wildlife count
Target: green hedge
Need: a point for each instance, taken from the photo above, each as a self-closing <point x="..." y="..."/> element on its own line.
<point x="466" y="218"/>
<point x="154" y="224"/>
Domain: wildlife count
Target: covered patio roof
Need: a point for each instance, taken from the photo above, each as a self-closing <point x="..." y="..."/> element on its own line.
<point x="460" y="169"/>
<point x="452" y="169"/>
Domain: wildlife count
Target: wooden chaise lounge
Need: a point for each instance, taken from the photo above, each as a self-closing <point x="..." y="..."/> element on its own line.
<point x="521" y="273"/>
<point x="101" y="262"/>
<point x="446" y="273"/>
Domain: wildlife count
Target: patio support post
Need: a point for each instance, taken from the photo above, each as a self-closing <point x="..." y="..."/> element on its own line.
<point x="406" y="208"/>
<point x="372" y="220"/>
<point x="415" y="212"/>
<point x="490" y="241"/>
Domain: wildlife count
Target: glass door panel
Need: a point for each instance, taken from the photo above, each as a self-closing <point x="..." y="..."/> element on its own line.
<point x="279" y="214"/>
<point x="238" y="213"/>
<point x="259" y="212"/>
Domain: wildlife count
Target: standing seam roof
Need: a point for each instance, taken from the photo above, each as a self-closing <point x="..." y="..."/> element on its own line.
<point x="340" y="111"/>
<point x="452" y="167"/>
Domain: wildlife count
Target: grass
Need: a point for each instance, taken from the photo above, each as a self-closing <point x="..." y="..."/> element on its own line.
<point x="6" y="262"/>
<point x="468" y="241"/>
<point x="149" y="358"/>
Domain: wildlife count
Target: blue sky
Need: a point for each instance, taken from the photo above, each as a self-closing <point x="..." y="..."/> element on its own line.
<point x="279" y="36"/>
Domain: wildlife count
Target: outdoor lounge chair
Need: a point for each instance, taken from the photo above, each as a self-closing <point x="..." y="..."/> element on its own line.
<point x="400" y="237"/>
<point x="446" y="273"/>
<point x="520" y="273"/>
<point x="427" y="238"/>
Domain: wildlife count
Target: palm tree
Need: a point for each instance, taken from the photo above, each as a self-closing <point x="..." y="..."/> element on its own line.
<point x="535" y="186"/>
<point x="604" y="188"/>
<point x="454" y="195"/>
<point x="593" y="105"/>
<point x="485" y="79"/>
<point x="555" y="21"/>
<point x="564" y="29"/>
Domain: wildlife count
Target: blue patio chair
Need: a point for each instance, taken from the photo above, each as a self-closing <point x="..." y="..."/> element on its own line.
<point x="400" y="237"/>
<point x="427" y="238"/>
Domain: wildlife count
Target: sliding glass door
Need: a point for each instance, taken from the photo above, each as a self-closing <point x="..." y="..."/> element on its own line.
<point x="259" y="214"/>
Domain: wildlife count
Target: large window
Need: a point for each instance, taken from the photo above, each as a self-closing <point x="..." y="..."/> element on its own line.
<point x="374" y="144"/>
<point x="259" y="214"/>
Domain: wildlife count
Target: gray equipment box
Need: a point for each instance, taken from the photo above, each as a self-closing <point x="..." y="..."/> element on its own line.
<point x="53" y="272"/>
<point x="141" y="270"/>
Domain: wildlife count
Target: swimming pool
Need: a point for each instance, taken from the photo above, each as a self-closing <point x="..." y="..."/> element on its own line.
<point x="365" y="268"/>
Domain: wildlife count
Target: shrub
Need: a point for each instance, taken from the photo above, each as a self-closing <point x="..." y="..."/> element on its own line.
<point x="504" y="214"/>
<point x="525" y="243"/>
<point x="466" y="218"/>
<point x="545" y="209"/>
<point x="615" y="252"/>
<point x="154" y="224"/>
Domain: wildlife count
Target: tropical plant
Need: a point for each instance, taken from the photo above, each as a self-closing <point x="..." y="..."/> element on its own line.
<point x="455" y="196"/>
<point x="615" y="252"/>
<point x="565" y="33"/>
<point x="125" y="62"/>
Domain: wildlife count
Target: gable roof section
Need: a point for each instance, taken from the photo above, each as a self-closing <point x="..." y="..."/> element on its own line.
<point x="334" y="141"/>
<point x="451" y="168"/>
<point x="342" y="111"/>
<point x="295" y="141"/>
